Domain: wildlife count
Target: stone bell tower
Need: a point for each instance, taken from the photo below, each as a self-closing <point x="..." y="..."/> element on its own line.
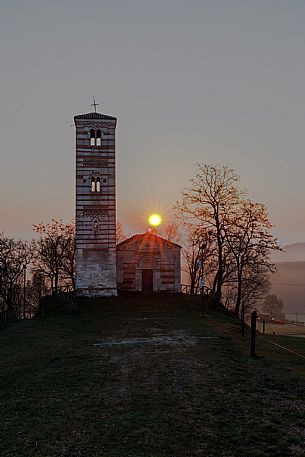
<point x="95" y="205"/>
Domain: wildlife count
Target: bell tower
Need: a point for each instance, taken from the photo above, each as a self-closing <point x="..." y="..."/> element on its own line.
<point x="95" y="205"/>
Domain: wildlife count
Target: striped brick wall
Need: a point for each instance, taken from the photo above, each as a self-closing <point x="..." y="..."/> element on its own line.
<point x="95" y="211"/>
<point x="148" y="251"/>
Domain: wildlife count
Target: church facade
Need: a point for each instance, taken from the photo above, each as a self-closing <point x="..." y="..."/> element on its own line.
<point x="95" y="205"/>
<point x="148" y="263"/>
<point x="145" y="263"/>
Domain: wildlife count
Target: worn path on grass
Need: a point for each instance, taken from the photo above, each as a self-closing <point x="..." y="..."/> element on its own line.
<point x="143" y="377"/>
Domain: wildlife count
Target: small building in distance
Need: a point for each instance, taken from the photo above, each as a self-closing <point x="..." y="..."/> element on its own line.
<point x="148" y="263"/>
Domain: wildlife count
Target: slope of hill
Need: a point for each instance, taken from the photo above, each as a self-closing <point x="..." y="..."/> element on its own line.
<point x="147" y="377"/>
<point x="291" y="253"/>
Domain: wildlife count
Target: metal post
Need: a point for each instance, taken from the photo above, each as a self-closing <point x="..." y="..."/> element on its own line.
<point x="253" y="332"/>
<point x="24" y="284"/>
<point x="264" y="325"/>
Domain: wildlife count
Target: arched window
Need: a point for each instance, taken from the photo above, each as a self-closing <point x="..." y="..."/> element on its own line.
<point x="92" y="137"/>
<point x="98" y="184"/>
<point x="93" y="187"/>
<point x="98" y="138"/>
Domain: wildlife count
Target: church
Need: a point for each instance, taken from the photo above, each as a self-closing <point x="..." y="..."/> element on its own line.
<point x="144" y="263"/>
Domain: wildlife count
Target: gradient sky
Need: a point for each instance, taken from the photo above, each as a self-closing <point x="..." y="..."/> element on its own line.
<point x="190" y="81"/>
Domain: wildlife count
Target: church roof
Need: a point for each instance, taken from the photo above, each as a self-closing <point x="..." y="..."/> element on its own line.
<point x="94" y="115"/>
<point x="150" y="237"/>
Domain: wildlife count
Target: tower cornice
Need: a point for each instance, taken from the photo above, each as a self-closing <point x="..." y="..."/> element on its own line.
<point x="94" y="116"/>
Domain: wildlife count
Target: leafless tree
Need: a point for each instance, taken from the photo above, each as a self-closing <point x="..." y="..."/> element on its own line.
<point x="239" y="241"/>
<point x="198" y="254"/>
<point x="213" y="194"/>
<point x="255" y="285"/>
<point x="191" y="255"/>
<point x="55" y="254"/>
<point x="273" y="306"/>
<point x="35" y="290"/>
<point x="14" y="258"/>
<point x="120" y="235"/>
<point x="172" y="232"/>
<point x="247" y="234"/>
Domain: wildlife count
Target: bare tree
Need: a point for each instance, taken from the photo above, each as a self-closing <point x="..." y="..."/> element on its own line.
<point x="120" y="235"/>
<point x="191" y="255"/>
<point x="255" y="285"/>
<point x="35" y="290"/>
<point x="68" y="260"/>
<point x="55" y="254"/>
<point x="14" y="258"/>
<point x="237" y="260"/>
<point x="172" y="233"/>
<point x="198" y="254"/>
<point x="247" y="233"/>
<point x="273" y="306"/>
<point x="214" y="193"/>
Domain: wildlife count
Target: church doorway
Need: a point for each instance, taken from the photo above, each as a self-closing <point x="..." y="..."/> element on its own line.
<point x="147" y="281"/>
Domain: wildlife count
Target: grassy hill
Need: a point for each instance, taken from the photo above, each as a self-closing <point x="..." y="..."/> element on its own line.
<point x="147" y="377"/>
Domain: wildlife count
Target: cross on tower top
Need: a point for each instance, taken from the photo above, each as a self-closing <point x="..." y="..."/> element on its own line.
<point x="94" y="103"/>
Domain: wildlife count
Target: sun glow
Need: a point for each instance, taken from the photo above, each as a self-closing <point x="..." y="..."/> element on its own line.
<point x="155" y="220"/>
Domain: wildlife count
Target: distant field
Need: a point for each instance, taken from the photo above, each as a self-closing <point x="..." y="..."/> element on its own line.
<point x="285" y="329"/>
<point x="148" y="377"/>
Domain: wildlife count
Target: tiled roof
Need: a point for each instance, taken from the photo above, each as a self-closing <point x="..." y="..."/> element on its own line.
<point x="94" y="115"/>
<point x="149" y="237"/>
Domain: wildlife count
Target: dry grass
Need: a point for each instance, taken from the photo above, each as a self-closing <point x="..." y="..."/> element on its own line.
<point x="282" y="329"/>
<point x="161" y="391"/>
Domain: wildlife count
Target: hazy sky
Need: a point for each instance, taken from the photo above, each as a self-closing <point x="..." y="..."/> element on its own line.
<point x="190" y="81"/>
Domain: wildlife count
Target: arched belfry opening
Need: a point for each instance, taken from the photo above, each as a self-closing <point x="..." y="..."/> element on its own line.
<point x="98" y="184"/>
<point x="93" y="184"/>
<point x="95" y="205"/>
<point x="92" y="137"/>
<point x="98" y="138"/>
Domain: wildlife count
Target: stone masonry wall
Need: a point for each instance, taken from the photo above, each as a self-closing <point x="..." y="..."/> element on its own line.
<point x="95" y="211"/>
<point x="148" y="252"/>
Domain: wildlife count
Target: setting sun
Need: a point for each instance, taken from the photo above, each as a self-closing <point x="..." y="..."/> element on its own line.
<point x="155" y="220"/>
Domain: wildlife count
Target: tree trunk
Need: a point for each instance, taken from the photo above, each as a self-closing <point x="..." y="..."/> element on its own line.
<point x="192" y="275"/>
<point x="243" y="320"/>
<point x="219" y="275"/>
<point x="238" y="298"/>
<point x="239" y="289"/>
